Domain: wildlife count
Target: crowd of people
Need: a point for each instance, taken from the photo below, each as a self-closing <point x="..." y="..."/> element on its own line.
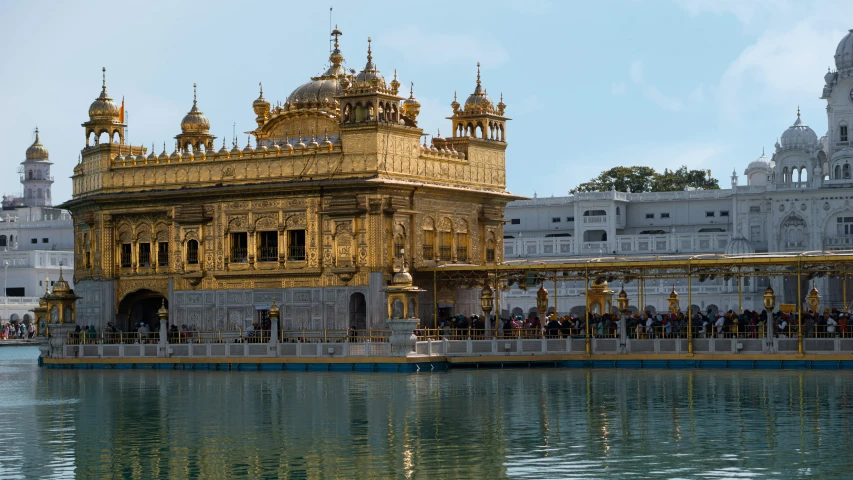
<point x="17" y="331"/>
<point x="708" y="324"/>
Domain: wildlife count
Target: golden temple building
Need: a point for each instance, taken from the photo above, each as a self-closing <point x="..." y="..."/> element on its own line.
<point x="331" y="196"/>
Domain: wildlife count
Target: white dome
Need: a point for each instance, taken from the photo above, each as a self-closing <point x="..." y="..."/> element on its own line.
<point x="799" y="135"/>
<point x="739" y="246"/>
<point x="844" y="55"/>
<point x="760" y="163"/>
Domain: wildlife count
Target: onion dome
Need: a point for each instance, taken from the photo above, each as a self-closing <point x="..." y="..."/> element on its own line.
<point x="195" y="121"/>
<point x="261" y="106"/>
<point x="61" y="287"/>
<point x="327" y="144"/>
<point x="119" y="159"/>
<point x="235" y="151"/>
<point x="287" y="147"/>
<point x="760" y="163"/>
<point x="320" y="90"/>
<point x="188" y="156"/>
<point x="844" y="55"/>
<point x="314" y="143"/>
<point x="223" y="152"/>
<point x="103" y="108"/>
<point x="37" y="150"/>
<point x="274" y="310"/>
<point x="395" y="85"/>
<point x="164" y="157"/>
<point x="799" y="135"/>
<point x="248" y="150"/>
<point x="454" y="103"/>
<point x="369" y="74"/>
<point x="739" y="246"/>
<point x="176" y="156"/>
<point x="152" y="157"/>
<point x="276" y="148"/>
<point x="210" y="154"/>
<point x="260" y="147"/>
<point x="479" y="101"/>
<point x="300" y="145"/>
<point x="141" y="157"/>
<point x="411" y="106"/>
<point x="501" y="105"/>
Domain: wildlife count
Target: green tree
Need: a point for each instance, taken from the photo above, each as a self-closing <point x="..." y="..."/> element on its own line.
<point x="645" y="179"/>
<point x="673" y="180"/>
<point x="639" y="179"/>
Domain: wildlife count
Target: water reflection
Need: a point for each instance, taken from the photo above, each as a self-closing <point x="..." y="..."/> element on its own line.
<point x="474" y="424"/>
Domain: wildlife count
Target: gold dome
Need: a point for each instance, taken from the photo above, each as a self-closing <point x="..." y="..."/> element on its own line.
<point x="195" y="121"/>
<point x="370" y="74"/>
<point x="411" y="106"/>
<point x="261" y="106"/>
<point x="274" y="311"/>
<point x="61" y="287"/>
<point x="103" y="108"/>
<point x="322" y="90"/>
<point x="37" y="150"/>
<point x="479" y="101"/>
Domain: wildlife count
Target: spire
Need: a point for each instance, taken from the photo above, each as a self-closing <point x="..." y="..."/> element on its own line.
<point x="369" y="53"/>
<point x="478" y="73"/>
<point x="261" y="86"/>
<point x="412" y="90"/>
<point x="194" y="94"/>
<point x="37" y="135"/>
<point x="104" y="81"/>
<point x="798" y="111"/>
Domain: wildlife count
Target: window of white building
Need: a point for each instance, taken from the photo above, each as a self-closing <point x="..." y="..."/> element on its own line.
<point x="724" y="213"/>
<point x="664" y="215"/>
<point x="515" y="221"/>
<point x="555" y="220"/>
<point x="709" y="214"/>
<point x="650" y="215"/>
<point x="842" y="133"/>
<point x="845" y="226"/>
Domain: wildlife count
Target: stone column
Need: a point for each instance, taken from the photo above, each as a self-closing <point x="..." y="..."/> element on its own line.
<point x="274" y="314"/>
<point x="163" y="315"/>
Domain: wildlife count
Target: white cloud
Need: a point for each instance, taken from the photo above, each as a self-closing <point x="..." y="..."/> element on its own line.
<point x="783" y="66"/>
<point x="650" y="92"/>
<point x="435" y="48"/>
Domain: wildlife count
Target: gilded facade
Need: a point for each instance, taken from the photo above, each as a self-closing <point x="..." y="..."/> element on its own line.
<point x="331" y="194"/>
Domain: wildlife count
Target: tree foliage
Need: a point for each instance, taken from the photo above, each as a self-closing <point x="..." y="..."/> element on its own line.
<point x="646" y="179"/>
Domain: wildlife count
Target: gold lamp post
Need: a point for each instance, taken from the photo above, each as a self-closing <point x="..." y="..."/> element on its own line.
<point x="274" y="314"/>
<point x="542" y="301"/>
<point x="622" y="305"/>
<point x="769" y="300"/>
<point x="622" y="301"/>
<point x="673" y="301"/>
<point x="487" y="303"/>
<point x="814" y="298"/>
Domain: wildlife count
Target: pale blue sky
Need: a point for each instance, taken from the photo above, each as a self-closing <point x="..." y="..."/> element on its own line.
<point x="589" y="86"/>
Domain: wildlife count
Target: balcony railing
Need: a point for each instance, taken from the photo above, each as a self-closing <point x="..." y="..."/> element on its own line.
<point x="598" y="219"/>
<point x="239" y="255"/>
<point x="296" y="253"/>
<point x="429" y="252"/>
<point x="268" y="254"/>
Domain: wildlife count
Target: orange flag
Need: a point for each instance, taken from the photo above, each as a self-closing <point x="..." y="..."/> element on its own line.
<point x="121" y="111"/>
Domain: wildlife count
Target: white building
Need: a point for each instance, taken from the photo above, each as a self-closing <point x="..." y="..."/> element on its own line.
<point x="35" y="239"/>
<point x="800" y="199"/>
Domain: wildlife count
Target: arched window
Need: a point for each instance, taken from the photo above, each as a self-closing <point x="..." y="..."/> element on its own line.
<point x="30" y="174"/>
<point x="192" y="252"/>
<point x="429" y="240"/>
<point x="785" y="178"/>
<point x="846" y="171"/>
<point x="837" y="174"/>
<point x="2" y="240"/>
<point x="445" y="240"/>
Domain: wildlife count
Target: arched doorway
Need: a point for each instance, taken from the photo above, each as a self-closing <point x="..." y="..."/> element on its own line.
<point x="358" y="311"/>
<point x="140" y="307"/>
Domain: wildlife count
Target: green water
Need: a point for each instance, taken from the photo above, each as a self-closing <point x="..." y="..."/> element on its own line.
<point x="514" y="423"/>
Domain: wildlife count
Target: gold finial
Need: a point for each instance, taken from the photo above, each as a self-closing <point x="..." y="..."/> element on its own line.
<point x="336" y="33"/>
<point x="37" y="134"/>
<point x="478" y="73"/>
<point x="369" y="53"/>
<point x="194" y="93"/>
<point x="454" y="95"/>
<point x="104" y="81"/>
<point x="798" y="111"/>
<point x="412" y="90"/>
<point x="261" y="86"/>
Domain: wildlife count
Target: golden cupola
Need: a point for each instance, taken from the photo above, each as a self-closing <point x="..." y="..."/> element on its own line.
<point x="478" y="117"/>
<point x="411" y="106"/>
<point x="104" y="117"/>
<point x="261" y="107"/>
<point x="479" y="101"/>
<point x="195" y="129"/>
<point x="370" y="74"/>
<point x="103" y="108"/>
<point x="37" y="151"/>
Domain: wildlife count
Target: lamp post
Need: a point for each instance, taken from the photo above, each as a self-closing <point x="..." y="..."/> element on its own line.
<point x="487" y="302"/>
<point x="542" y="301"/>
<point x="769" y="303"/>
<point x="673" y="301"/>
<point x="814" y="304"/>
<point x="274" y="313"/>
<point x="622" y="305"/>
